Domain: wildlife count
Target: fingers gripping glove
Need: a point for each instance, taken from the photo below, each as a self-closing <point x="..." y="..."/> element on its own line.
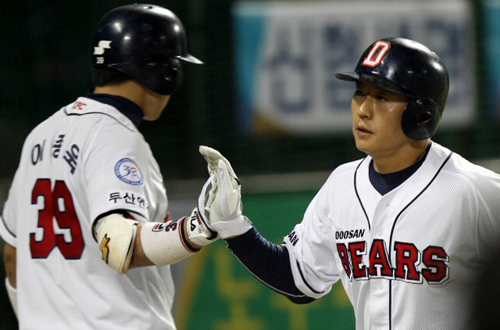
<point x="212" y="157"/>
<point x="225" y="210"/>
<point x="197" y="230"/>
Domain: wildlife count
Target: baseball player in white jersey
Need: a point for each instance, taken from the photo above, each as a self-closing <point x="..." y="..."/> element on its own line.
<point x="88" y="201"/>
<point x="405" y="229"/>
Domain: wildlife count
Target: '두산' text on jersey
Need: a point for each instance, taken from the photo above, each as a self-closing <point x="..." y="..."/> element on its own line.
<point x="85" y="160"/>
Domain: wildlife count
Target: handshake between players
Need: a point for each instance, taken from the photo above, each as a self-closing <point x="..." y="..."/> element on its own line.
<point x="127" y="243"/>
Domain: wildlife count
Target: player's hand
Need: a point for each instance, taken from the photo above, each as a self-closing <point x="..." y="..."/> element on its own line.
<point x="198" y="231"/>
<point x="224" y="207"/>
<point x="212" y="157"/>
<point x="197" y="227"/>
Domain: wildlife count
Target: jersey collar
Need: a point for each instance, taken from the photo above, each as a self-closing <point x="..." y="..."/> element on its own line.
<point x="406" y="192"/>
<point x="384" y="183"/>
<point x="128" y="108"/>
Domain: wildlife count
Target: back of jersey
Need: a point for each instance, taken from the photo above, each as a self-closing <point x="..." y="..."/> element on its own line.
<point x="62" y="281"/>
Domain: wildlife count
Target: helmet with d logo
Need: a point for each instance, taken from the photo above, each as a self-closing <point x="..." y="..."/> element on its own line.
<point x="409" y="68"/>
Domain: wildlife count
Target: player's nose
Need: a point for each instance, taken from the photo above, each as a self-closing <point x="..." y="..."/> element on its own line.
<point x="365" y="108"/>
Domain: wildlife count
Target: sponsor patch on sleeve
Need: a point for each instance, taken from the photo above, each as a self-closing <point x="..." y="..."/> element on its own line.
<point x="127" y="170"/>
<point x="127" y="199"/>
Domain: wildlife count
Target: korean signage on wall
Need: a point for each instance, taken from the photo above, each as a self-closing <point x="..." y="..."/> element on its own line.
<point x="287" y="54"/>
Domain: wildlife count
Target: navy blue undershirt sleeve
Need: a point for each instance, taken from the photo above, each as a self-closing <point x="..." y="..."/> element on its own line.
<point x="268" y="262"/>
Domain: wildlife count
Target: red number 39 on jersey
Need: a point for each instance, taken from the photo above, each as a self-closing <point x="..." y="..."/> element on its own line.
<point x="58" y="205"/>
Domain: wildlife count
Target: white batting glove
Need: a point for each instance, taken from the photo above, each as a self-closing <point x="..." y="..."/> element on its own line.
<point x="212" y="157"/>
<point x="199" y="231"/>
<point x="224" y="207"/>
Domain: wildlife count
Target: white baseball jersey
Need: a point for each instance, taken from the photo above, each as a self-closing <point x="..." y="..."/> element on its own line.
<point x="407" y="259"/>
<point x="86" y="159"/>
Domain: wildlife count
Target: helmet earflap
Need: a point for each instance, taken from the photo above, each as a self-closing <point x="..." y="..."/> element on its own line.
<point x="421" y="118"/>
<point x="406" y="67"/>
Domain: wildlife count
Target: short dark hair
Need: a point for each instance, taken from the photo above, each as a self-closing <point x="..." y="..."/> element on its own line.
<point x="108" y="76"/>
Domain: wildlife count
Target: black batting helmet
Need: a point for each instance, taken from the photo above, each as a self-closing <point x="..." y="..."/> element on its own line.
<point x="146" y="43"/>
<point x="407" y="67"/>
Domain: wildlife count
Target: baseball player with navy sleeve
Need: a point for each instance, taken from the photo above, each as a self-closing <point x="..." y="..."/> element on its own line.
<point x="404" y="229"/>
<point x="87" y="203"/>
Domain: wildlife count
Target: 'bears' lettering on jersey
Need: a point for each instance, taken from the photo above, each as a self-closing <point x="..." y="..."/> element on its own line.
<point x="407" y="262"/>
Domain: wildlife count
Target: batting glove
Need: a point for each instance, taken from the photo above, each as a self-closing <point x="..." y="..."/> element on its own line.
<point x="199" y="231"/>
<point x="212" y="157"/>
<point x="224" y="206"/>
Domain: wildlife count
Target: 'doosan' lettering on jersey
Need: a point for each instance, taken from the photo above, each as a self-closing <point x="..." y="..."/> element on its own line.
<point x="127" y="170"/>
<point x="126" y="199"/>
<point x="293" y="238"/>
<point x="342" y="234"/>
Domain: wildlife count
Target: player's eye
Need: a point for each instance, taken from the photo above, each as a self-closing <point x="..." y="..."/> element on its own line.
<point x="358" y="92"/>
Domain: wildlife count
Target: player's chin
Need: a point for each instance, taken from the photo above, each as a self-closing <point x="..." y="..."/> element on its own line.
<point x="363" y="145"/>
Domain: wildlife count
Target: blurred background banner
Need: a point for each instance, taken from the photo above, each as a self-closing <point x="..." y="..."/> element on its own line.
<point x="288" y="52"/>
<point x="492" y="36"/>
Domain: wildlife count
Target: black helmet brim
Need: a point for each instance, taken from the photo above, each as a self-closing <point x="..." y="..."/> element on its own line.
<point x="190" y="59"/>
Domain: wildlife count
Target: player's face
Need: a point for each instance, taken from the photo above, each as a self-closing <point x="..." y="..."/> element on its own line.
<point x="376" y="121"/>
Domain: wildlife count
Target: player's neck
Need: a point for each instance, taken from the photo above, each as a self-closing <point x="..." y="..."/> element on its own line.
<point x="398" y="160"/>
<point x="151" y="103"/>
<point x="129" y="90"/>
